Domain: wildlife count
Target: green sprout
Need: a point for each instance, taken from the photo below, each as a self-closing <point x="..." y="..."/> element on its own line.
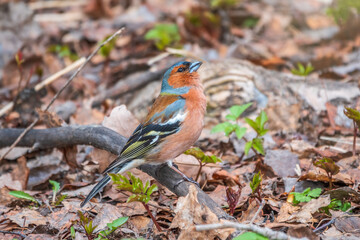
<point x="56" y="188"/>
<point x="306" y="195"/>
<point x="256" y="144"/>
<point x="202" y="158"/>
<point x="255" y="185"/>
<point x="23" y="195"/>
<point x="343" y="10"/>
<point x="140" y="192"/>
<point x="329" y="166"/>
<point x="63" y="51"/>
<point x="87" y="225"/>
<point x="111" y="227"/>
<point x="302" y="70"/>
<point x="164" y="35"/>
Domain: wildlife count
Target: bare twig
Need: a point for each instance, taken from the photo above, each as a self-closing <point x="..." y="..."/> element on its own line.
<point x="13" y="233"/>
<point x="199" y="171"/>
<point x="258" y="211"/>
<point x="152" y="216"/>
<point x="354" y="141"/>
<point x="62" y="89"/>
<point x="267" y="232"/>
<point x="322" y="227"/>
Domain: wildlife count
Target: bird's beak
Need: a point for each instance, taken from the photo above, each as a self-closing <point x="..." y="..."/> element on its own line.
<point x="194" y="66"/>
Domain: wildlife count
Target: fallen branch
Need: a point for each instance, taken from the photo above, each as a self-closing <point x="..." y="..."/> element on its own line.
<point x="109" y="140"/>
<point x="62" y="89"/>
<point x="267" y="232"/>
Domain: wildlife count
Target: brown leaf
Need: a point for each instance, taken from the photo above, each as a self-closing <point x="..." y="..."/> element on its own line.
<point x="229" y="179"/>
<point x="321" y="176"/>
<point x="21" y="172"/>
<point x="219" y="195"/>
<point x="140" y="222"/>
<point x="302" y="232"/>
<point x="27" y="217"/>
<point x="189" y="212"/>
<point x="250" y="212"/>
<point x="121" y="121"/>
<point x="99" y="9"/>
<point x="305" y="214"/>
<point x="348" y="224"/>
<point x="50" y="119"/>
<point x="344" y="193"/>
<point x="286" y="211"/>
<point x="107" y="214"/>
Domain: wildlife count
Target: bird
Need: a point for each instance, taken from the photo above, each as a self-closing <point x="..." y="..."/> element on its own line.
<point x="173" y="124"/>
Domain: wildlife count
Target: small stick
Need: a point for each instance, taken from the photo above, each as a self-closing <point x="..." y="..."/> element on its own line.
<point x="152" y="216"/>
<point x="14" y="233"/>
<point x="117" y="33"/>
<point x="354" y="141"/>
<point x="267" y="232"/>
<point x="258" y="211"/>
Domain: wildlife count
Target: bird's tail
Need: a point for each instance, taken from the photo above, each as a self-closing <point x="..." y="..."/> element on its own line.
<point x="96" y="189"/>
<point x="118" y="166"/>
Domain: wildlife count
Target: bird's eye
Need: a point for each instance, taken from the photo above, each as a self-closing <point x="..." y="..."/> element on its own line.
<point x="181" y="69"/>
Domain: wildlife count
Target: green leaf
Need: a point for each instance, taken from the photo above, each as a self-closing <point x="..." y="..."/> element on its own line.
<point x="221" y="127"/>
<point x="214" y="159"/>
<point x="72" y="232"/>
<point x="231" y="117"/>
<point x="306" y="195"/>
<point x="258" y="145"/>
<point x="263" y="119"/>
<point x="247" y="147"/>
<point x="256" y="181"/>
<point x="107" y="48"/>
<point x="163" y="35"/>
<point x="140" y="191"/>
<point x="353" y="114"/>
<point x="23" y="195"/>
<point x="250" y="236"/>
<point x="237" y="110"/>
<point x="196" y="152"/>
<point x="263" y="132"/>
<point x="302" y="71"/>
<point x="55" y="186"/>
<point x="315" y="193"/>
<point x="328" y="165"/>
<point x="117" y="222"/>
<point x="240" y="132"/>
<point x="60" y="199"/>
<point x="253" y="124"/>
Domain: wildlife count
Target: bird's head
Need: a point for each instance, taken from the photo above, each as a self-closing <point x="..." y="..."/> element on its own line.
<point x="180" y="77"/>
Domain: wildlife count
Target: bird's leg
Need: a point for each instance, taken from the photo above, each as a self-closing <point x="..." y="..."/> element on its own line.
<point x="171" y="165"/>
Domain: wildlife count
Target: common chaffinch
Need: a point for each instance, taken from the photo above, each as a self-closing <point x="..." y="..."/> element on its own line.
<point x="173" y="124"/>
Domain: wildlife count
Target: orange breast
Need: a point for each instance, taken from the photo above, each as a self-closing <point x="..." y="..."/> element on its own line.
<point x="176" y="144"/>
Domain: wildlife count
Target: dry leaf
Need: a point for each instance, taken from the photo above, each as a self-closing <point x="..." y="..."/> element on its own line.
<point x="320" y="175"/>
<point x="121" y="121"/>
<point x="21" y="172"/>
<point x="27" y="217"/>
<point x="189" y="212"/>
<point x="305" y="214"/>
